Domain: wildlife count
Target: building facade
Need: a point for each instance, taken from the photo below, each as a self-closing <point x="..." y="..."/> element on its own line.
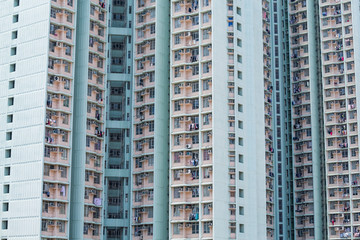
<point x="181" y="119"/>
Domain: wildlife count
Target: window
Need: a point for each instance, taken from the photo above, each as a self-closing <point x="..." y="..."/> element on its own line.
<point x="238" y="11"/>
<point x="206" y="51"/>
<point x="195" y="228"/>
<point x="13" y="51"/>
<point x="151" y="143"/>
<point x="6" y="188"/>
<point x="6" y="171"/>
<point x="206" y="17"/>
<point x="241" y="193"/>
<point x="4" y="225"/>
<point x="177" y="106"/>
<point x="16" y="18"/>
<point x="241" y="228"/>
<point x="8" y="153"/>
<point x="14" y="35"/>
<point x="16" y="3"/>
<point x="238" y="27"/>
<point x="5" y="207"/>
<point x="207" y="227"/>
<point x="241" y="210"/>
<point x="177" y="39"/>
<point x="241" y="176"/>
<point x="177" y="22"/>
<point x="239" y="58"/>
<point x="12" y="67"/>
<point x="8" y="136"/>
<point x="206" y="34"/>
<point x="206" y="192"/>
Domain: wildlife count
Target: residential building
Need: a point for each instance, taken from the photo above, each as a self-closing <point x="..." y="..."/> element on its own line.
<point x="117" y="196"/>
<point x="157" y="119"/>
<point x="150" y="123"/>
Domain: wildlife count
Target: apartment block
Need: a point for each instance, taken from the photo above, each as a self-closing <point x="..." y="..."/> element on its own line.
<point x="150" y="121"/>
<point x="181" y="119"/>
<point x="49" y="119"/>
<point x="117" y="183"/>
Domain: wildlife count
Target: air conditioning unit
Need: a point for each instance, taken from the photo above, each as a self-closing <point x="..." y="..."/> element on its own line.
<point x="209" y="151"/>
<point x="187" y="225"/>
<point x="188" y="146"/>
<point x="210" y="187"/>
<point x="93" y="209"/>
<point x="59" y="204"/>
<point x="58" y="44"/>
<point x="56" y="78"/>
<point x="51" y="204"/>
<point x="51" y="223"/>
<point x="59" y="223"/>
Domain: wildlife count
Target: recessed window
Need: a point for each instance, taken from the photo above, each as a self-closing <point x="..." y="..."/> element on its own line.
<point x="10" y="101"/>
<point x="240" y="107"/>
<point x="238" y="11"/>
<point x="14" y="35"/>
<point x="11" y="84"/>
<point x="239" y="58"/>
<point x="13" y="51"/>
<point x="241" y="141"/>
<point x="12" y="67"/>
<point x="15" y="18"/>
<point x="4" y="225"/>
<point x="241" y="158"/>
<point x="241" y="193"/>
<point x="240" y="92"/>
<point x="5" y="207"/>
<point x="7" y="171"/>
<point x="241" y="228"/>
<point x="241" y="176"/>
<point x="241" y="210"/>
<point x="8" y="136"/>
<point x="239" y="75"/>
<point x="6" y="188"/>
<point x="240" y="124"/>
<point x="8" y="153"/>
<point x="239" y="42"/>
<point x="9" y="118"/>
<point x="16" y="3"/>
<point x="238" y="26"/>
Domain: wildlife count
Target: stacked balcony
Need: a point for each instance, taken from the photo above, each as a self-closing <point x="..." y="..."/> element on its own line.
<point x="340" y="110"/>
<point x="191" y="123"/>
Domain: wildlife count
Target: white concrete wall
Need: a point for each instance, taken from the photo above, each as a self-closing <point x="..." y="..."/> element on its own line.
<point x="253" y="133"/>
<point x="220" y="123"/>
<point x="29" y="94"/>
